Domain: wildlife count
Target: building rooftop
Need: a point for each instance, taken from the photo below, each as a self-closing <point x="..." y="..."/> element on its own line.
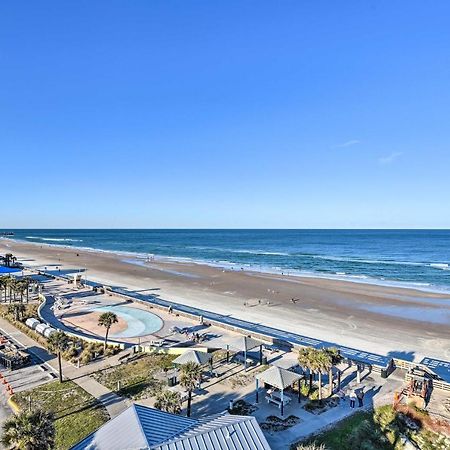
<point x="140" y="427"/>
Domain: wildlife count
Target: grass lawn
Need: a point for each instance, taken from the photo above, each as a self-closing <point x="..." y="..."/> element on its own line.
<point x="77" y="412"/>
<point x="137" y="378"/>
<point x="385" y="429"/>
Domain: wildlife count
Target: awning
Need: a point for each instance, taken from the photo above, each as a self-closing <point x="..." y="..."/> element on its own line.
<point x="278" y="377"/>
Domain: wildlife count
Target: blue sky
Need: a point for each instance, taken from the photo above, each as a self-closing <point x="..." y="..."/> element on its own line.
<point x="294" y="114"/>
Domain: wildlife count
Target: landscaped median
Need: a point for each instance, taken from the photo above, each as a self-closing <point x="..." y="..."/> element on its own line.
<point x="77" y="413"/>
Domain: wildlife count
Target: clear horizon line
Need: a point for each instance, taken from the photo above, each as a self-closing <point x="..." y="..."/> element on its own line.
<point x="241" y="228"/>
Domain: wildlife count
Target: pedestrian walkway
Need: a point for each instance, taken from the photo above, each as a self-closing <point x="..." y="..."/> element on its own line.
<point x="113" y="403"/>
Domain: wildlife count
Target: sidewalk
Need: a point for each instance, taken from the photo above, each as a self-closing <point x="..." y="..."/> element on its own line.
<point x="377" y="394"/>
<point x="113" y="403"/>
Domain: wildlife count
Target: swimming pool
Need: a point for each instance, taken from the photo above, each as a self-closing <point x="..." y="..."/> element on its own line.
<point x="139" y="322"/>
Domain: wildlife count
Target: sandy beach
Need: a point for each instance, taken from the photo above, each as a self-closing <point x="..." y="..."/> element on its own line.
<point x="385" y="320"/>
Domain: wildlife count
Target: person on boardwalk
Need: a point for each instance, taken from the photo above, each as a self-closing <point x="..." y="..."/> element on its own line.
<point x="352" y="399"/>
<point x="360" y="398"/>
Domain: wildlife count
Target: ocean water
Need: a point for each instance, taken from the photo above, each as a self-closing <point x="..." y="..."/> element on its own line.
<point x="399" y="257"/>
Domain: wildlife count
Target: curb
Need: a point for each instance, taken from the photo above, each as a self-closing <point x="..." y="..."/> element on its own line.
<point x="13" y="405"/>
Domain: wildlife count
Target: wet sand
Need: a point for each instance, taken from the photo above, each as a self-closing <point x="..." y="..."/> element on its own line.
<point x="386" y="320"/>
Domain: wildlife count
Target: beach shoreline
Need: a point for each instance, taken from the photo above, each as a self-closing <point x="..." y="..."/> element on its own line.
<point x="139" y="258"/>
<point x="382" y="319"/>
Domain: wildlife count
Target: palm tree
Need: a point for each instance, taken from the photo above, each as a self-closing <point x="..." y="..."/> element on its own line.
<point x="57" y="343"/>
<point x="316" y="361"/>
<point x="3" y="286"/>
<point x="168" y="401"/>
<point x="306" y="357"/>
<point x="336" y="358"/>
<point x="29" y="431"/>
<point x="22" y="287"/>
<point x="107" y="319"/>
<point x="15" y="287"/>
<point x="8" y="284"/>
<point x="323" y="364"/>
<point x="17" y="310"/>
<point x="27" y="282"/>
<point x="19" y="287"/>
<point x="8" y="259"/>
<point x="190" y="376"/>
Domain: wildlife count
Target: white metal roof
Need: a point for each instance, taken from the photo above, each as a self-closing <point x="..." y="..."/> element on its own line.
<point x="220" y="432"/>
<point x="137" y="428"/>
<point x="143" y="428"/>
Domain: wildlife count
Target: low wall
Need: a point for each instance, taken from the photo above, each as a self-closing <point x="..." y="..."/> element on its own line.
<point x="168" y="350"/>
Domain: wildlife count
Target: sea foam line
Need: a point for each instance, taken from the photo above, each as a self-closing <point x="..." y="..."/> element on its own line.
<point x="53" y="239"/>
<point x="236" y="266"/>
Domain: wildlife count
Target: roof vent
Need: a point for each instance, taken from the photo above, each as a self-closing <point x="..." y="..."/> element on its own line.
<point x="228" y="434"/>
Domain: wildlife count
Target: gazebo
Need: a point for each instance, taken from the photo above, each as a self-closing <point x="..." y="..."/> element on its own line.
<point x="244" y="344"/>
<point x="193" y="356"/>
<point x="281" y="379"/>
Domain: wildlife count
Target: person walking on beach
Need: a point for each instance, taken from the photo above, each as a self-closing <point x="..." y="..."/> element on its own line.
<point x="352" y="399"/>
<point x="360" y="398"/>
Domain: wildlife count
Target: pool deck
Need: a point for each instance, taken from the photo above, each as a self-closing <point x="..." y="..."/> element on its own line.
<point x="47" y="315"/>
<point x="133" y="322"/>
<point x="85" y="299"/>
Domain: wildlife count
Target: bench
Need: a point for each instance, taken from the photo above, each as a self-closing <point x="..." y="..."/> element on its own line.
<point x="276" y="400"/>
